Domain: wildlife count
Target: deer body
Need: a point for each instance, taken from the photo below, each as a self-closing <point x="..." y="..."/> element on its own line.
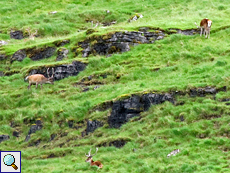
<point x="96" y="163"/>
<point x="90" y="160"/>
<point x="39" y="79"/>
<point x="206" y="25"/>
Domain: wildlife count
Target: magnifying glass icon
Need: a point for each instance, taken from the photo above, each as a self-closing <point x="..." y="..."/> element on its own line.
<point x="9" y="160"/>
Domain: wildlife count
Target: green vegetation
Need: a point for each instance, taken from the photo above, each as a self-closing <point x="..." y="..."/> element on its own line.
<point x="182" y="62"/>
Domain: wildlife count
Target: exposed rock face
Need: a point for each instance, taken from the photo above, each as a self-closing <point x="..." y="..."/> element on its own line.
<point x="93" y="125"/>
<point x="62" y="53"/>
<point x="119" y="42"/>
<point x="16" y="35"/>
<point x="34" y="128"/>
<point x="42" y="53"/>
<point x="61" y="43"/>
<point x="117" y="143"/>
<point x="33" y="53"/>
<point x="202" y="92"/>
<point x="62" y="71"/>
<point x="4" y="138"/>
<point x="123" y="110"/>
<point x="19" y="55"/>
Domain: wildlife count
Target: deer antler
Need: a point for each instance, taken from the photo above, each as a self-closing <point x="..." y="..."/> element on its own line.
<point x="88" y="153"/>
<point x="95" y="153"/>
<point x="52" y="73"/>
<point x="48" y="72"/>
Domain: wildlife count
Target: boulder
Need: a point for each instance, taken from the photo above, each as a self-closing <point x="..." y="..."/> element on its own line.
<point x="16" y="35"/>
<point x="4" y="138"/>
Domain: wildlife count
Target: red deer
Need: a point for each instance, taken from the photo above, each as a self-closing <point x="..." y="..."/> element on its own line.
<point x="90" y="159"/>
<point x="206" y="25"/>
<point x="40" y="79"/>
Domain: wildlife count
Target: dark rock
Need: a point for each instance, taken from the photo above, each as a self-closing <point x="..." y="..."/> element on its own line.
<point x="202" y="92"/>
<point x="92" y="126"/>
<point x="3" y="57"/>
<point x="16" y="133"/>
<point x="101" y="48"/>
<point x="52" y="137"/>
<point x="34" y="128"/>
<point x="123" y="110"/>
<point x="35" y="143"/>
<point x="117" y="42"/>
<point x="62" y="53"/>
<point x="61" y="43"/>
<point x="154" y="99"/>
<point x="116" y="143"/>
<point x="70" y="123"/>
<point x="62" y="71"/>
<point x="19" y="55"/>
<point x="41" y="53"/>
<point x="4" y="138"/>
<point x="85" y="89"/>
<point x="16" y="35"/>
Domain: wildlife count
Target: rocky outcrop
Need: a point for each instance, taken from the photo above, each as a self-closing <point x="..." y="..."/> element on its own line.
<point x="92" y="126"/>
<point x="123" y="110"/>
<point x="16" y="35"/>
<point x="4" y="138"/>
<point x="19" y="55"/>
<point x="118" y="42"/>
<point x="202" y="92"/>
<point x="34" y="54"/>
<point x="35" y="127"/>
<point x="121" y="41"/>
<point x="62" y="71"/>
<point x="62" y="53"/>
<point x="41" y="53"/>
<point x="119" y="143"/>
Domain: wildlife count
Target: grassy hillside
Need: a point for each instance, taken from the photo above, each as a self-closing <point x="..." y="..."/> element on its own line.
<point x="176" y="63"/>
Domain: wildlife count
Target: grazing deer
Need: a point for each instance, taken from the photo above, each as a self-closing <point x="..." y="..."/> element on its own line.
<point x="206" y="25"/>
<point x="90" y="159"/>
<point x="40" y="79"/>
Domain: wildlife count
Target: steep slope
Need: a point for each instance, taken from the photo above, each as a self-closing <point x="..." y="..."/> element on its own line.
<point x="163" y="91"/>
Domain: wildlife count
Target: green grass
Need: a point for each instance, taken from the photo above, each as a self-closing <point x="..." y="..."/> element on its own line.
<point x="184" y="62"/>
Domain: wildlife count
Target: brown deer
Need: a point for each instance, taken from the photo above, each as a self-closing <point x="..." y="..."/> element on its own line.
<point x="40" y="79"/>
<point x="206" y="25"/>
<point x="90" y="159"/>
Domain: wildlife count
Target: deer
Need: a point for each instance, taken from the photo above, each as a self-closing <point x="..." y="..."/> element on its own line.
<point x="206" y="25"/>
<point x="90" y="159"/>
<point x="40" y="79"/>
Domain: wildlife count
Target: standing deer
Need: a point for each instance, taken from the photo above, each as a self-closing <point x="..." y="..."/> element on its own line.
<point x="206" y="25"/>
<point x="90" y="159"/>
<point x="40" y="79"/>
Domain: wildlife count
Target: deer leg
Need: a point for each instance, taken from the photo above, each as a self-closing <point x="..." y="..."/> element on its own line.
<point x="36" y="85"/>
<point x="201" y="30"/>
<point x="29" y="86"/>
<point x="41" y="86"/>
